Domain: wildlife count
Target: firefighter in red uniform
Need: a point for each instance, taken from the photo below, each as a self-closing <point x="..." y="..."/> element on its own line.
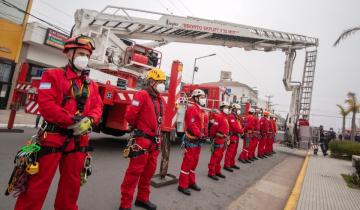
<point x="264" y="132"/>
<point x="249" y="125"/>
<point x="196" y="132"/>
<point x="274" y="130"/>
<point x="70" y="104"/>
<point x="144" y="116"/>
<point x="255" y="139"/>
<point x="219" y="131"/>
<point x="235" y="131"/>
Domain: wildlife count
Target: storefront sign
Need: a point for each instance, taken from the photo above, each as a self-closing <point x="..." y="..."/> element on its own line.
<point x="55" y="39"/>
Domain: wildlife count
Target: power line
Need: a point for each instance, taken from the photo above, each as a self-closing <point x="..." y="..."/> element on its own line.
<point x="6" y="3"/>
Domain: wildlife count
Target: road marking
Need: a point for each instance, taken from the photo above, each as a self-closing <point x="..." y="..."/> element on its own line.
<point x="293" y="200"/>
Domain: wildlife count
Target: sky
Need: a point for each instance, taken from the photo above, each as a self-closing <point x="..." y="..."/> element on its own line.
<point x="337" y="69"/>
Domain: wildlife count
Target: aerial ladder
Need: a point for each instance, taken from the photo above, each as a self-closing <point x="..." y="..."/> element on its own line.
<point x="120" y="62"/>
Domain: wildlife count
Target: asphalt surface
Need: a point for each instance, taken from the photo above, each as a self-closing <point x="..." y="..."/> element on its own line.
<point x="102" y="190"/>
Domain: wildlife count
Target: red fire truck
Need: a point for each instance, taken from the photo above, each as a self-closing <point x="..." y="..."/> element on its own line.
<point x="119" y="64"/>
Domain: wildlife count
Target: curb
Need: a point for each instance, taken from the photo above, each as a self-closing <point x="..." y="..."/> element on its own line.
<point x="18" y="125"/>
<point x="293" y="199"/>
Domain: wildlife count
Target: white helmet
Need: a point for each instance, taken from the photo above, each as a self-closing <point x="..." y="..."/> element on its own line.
<point x="197" y="92"/>
<point x="251" y="110"/>
<point x="235" y="106"/>
<point x="224" y="103"/>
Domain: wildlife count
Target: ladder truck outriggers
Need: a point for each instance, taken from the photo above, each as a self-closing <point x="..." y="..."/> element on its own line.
<point x="119" y="64"/>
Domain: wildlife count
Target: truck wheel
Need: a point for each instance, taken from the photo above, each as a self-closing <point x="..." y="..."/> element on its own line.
<point x="180" y="134"/>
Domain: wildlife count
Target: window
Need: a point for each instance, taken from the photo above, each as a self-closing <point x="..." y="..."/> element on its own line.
<point x="12" y="14"/>
<point x="5" y="72"/>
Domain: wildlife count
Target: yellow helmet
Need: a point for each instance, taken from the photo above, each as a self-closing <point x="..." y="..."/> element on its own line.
<point x="156" y="74"/>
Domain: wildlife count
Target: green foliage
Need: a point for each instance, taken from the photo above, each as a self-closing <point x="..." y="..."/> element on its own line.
<point x="344" y="149"/>
<point x="352" y="180"/>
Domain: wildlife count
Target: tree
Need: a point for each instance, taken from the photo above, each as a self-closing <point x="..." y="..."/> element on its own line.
<point x="346" y="34"/>
<point x="343" y="113"/>
<point x="354" y="107"/>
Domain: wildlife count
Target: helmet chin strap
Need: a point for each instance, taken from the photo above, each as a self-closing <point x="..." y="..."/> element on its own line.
<point x="71" y="62"/>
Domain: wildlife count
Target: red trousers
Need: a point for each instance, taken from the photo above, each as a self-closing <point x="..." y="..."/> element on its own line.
<point x="252" y="148"/>
<point x="70" y="167"/>
<point x="268" y="147"/>
<point x="139" y="172"/>
<point x="244" y="155"/>
<point x="187" y="175"/>
<point x="231" y="153"/>
<point x="262" y="146"/>
<point x="216" y="157"/>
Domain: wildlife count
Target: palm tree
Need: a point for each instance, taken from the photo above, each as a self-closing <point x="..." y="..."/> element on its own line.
<point x="354" y="107"/>
<point x="346" y="34"/>
<point x="343" y="113"/>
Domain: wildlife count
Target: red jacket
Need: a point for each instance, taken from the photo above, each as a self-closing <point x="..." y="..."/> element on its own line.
<point x="54" y="85"/>
<point x="273" y="126"/>
<point x="141" y="113"/>
<point x="264" y="127"/>
<point x="195" y="121"/>
<point x="235" y="127"/>
<point x="249" y="124"/>
<point x="221" y="125"/>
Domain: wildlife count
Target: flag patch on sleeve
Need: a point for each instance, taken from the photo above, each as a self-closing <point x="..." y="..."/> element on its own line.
<point x="135" y="103"/>
<point x="45" y="86"/>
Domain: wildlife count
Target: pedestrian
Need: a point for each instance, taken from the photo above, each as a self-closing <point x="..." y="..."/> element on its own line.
<point x="70" y="104"/>
<point x="144" y="116"/>
<point x="196" y="132"/>
<point x="323" y="140"/>
<point x="219" y="132"/>
<point x="264" y="132"/>
<point x="249" y="127"/>
<point x="235" y="131"/>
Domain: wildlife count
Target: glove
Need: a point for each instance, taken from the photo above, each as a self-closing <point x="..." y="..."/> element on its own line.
<point x="83" y="126"/>
<point x="203" y="139"/>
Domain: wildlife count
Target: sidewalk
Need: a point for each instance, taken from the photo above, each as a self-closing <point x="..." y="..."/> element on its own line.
<point x="273" y="189"/>
<point x="324" y="188"/>
<point x="21" y="119"/>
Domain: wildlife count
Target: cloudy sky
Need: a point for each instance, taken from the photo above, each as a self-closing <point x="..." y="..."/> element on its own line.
<point x="337" y="70"/>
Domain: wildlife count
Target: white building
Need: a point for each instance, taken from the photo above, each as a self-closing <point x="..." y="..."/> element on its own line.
<point x="239" y="92"/>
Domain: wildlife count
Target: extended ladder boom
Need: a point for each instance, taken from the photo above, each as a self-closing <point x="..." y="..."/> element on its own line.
<point x="171" y="28"/>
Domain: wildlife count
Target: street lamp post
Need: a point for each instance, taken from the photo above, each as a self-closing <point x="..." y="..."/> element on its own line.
<point x="196" y="68"/>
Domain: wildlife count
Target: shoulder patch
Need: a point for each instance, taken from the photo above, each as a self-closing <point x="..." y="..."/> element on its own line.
<point x="232" y="120"/>
<point x="135" y="103"/>
<point x="45" y="86"/>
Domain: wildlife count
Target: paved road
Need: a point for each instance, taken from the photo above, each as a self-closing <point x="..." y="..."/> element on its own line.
<point x="102" y="190"/>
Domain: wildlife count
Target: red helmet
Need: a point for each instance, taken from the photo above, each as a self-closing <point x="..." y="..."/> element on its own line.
<point x="80" y="41"/>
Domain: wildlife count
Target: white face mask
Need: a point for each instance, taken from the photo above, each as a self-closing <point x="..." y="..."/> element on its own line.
<point x="238" y="112"/>
<point x="226" y="110"/>
<point x="81" y="62"/>
<point x="202" y="101"/>
<point x="160" y="87"/>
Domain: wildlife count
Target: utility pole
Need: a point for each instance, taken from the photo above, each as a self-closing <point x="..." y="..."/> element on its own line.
<point x="268" y="102"/>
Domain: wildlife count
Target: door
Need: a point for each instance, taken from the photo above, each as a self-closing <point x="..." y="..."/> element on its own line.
<point x="6" y="73"/>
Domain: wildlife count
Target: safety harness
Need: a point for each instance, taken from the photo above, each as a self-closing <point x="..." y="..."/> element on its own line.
<point x="133" y="149"/>
<point x="81" y="95"/>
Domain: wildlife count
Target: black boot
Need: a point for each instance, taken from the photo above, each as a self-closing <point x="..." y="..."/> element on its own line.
<point x="186" y="191"/>
<point x="124" y="208"/>
<point x="221" y="175"/>
<point x="255" y="158"/>
<point x="228" y="169"/>
<point x="235" y="167"/>
<point x="146" y="205"/>
<point x="213" y="177"/>
<point x="195" y="187"/>
<point x="242" y="161"/>
<point x="248" y="161"/>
